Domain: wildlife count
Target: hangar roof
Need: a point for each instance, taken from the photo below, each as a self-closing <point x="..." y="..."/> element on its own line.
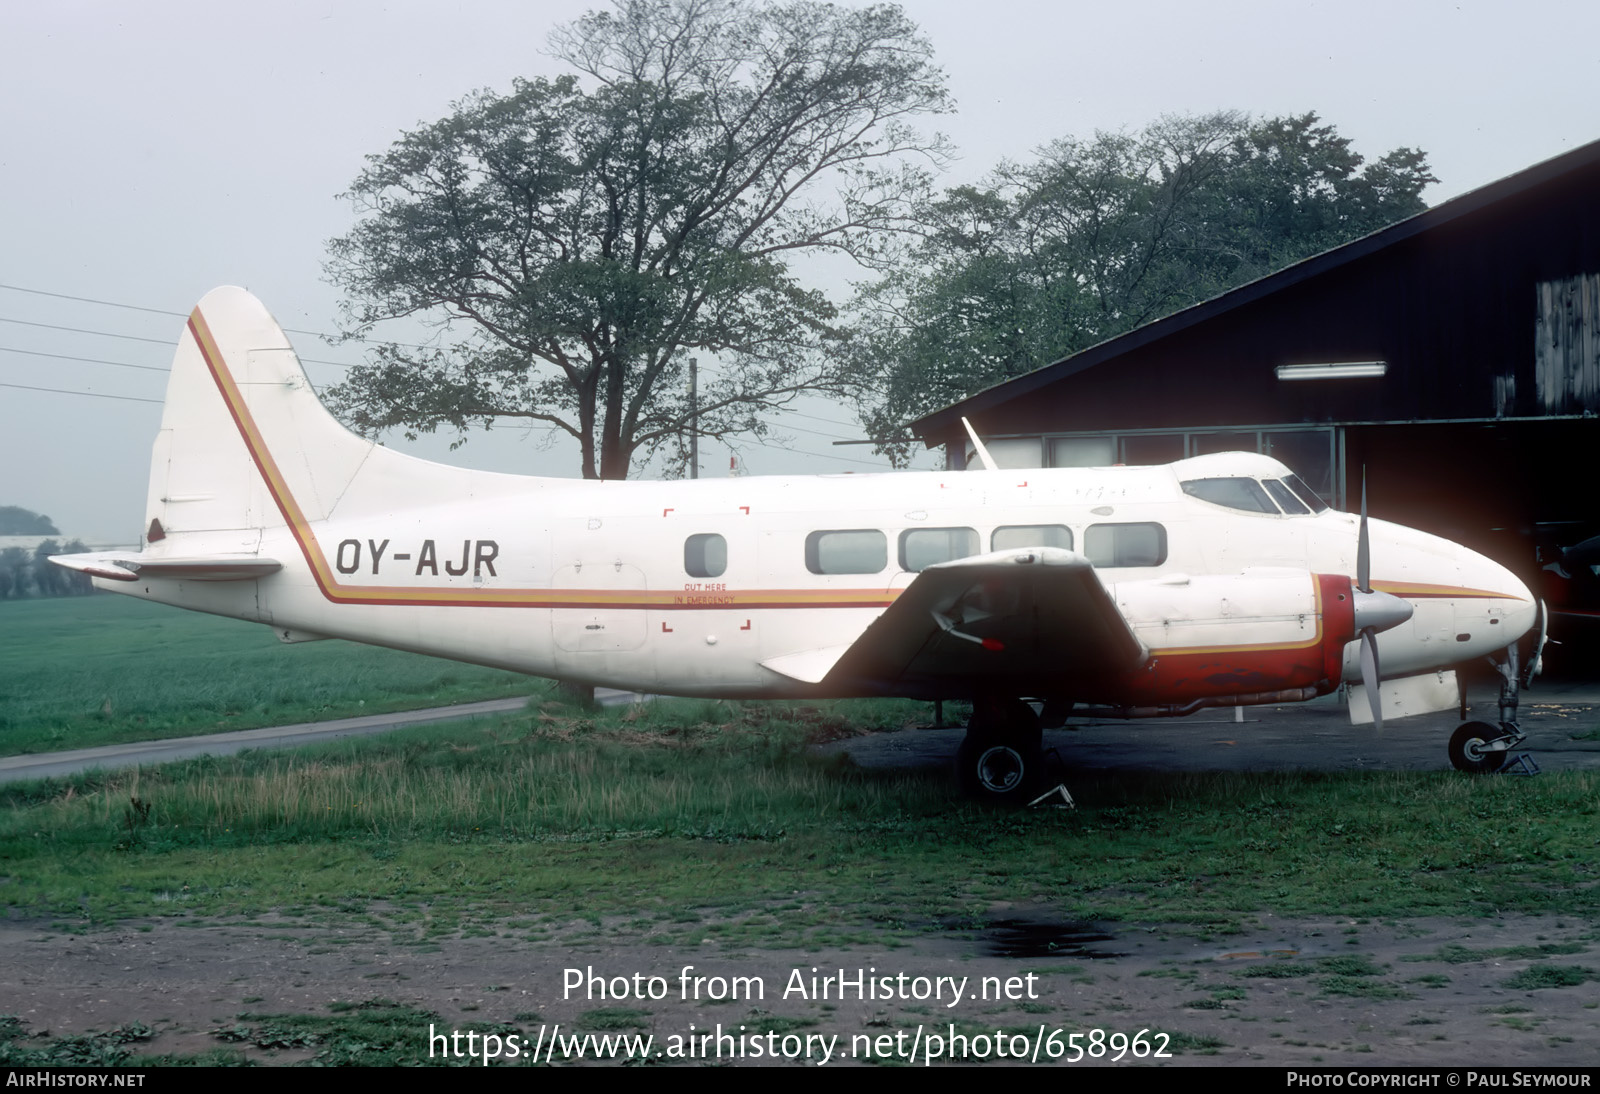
<point x="942" y="425"/>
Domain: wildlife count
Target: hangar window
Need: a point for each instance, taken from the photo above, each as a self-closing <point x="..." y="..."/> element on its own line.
<point x="1082" y="451"/>
<point x="1031" y="535"/>
<point x="1141" y="544"/>
<point x="847" y="551"/>
<point x="705" y="555"/>
<point x="922" y="547"/>
<point x="1239" y="493"/>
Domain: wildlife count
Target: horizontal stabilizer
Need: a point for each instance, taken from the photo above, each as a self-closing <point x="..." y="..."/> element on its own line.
<point x="125" y="567"/>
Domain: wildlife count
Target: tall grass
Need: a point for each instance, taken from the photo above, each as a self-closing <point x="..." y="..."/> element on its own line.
<point x="698" y="805"/>
<point x="81" y="672"/>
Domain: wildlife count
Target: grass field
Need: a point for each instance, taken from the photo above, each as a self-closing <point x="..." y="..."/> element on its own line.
<point x="718" y="816"/>
<point x="681" y="823"/>
<point x="649" y="810"/>
<point x="87" y="671"/>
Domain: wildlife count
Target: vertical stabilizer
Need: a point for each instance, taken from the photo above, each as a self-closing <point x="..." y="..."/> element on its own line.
<point x="245" y="443"/>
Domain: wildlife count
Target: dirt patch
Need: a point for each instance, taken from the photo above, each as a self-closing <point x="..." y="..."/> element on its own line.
<point x="1424" y="992"/>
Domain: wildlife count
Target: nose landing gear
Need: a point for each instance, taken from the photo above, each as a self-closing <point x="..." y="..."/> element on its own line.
<point x="1479" y="748"/>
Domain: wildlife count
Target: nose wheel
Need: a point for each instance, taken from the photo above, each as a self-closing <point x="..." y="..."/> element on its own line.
<point x="1478" y="748"/>
<point x="1482" y="748"/>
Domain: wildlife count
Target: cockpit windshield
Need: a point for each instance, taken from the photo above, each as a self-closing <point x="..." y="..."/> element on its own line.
<point x="1235" y="493"/>
<point x="1305" y="493"/>
<point x="1285" y="498"/>
<point x="1288" y="495"/>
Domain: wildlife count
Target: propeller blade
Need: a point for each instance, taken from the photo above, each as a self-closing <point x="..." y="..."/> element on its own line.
<point x="1364" y="544"/>
<point x="1586" y="553"/>
<point x="1535" y="663"/>
<point x="1370" y="675"/>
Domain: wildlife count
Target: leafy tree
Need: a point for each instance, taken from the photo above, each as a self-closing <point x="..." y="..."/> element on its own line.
<point x="15" y="575"/>
<point x="45" y="575"/>
<point x="17" y="521"/>
<point x="590" y="232"/>
<point x="1094" y="238"/>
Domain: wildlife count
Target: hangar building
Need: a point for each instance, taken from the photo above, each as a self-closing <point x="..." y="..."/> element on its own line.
<point x="1455" y="356"/>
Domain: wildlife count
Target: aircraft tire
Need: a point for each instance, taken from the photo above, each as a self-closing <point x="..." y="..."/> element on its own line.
<point x="1466" y="749"/>
<point x="996" y="771"/>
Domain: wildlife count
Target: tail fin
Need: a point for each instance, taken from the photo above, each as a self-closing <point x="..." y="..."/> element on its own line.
<point x="244" y="444"/>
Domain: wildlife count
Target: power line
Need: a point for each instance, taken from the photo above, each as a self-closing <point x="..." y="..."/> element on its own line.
<point x="804" y="455"/>
<point x="812" y="432"/>
<point x="184" y="315"/>
<point x="91" y="394"/>
<point x="813" y="417"/>
<point x="88" y="300"/>
<point x="85" y="360"/>
<point x="130" y="338"/>
<point x="82" y="330"/>
<point x="307" y="360"/>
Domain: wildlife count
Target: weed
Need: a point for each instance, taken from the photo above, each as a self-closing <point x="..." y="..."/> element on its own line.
<point x="1360" y="988"/>
<point x="1282" y="969"/>
<point x="608" y="1018"/>
<point x="1456" y="954"/>
<point x="1550" y="976"/>
<point x="1197" y="1044"/>
<point x="1354" y="965"/>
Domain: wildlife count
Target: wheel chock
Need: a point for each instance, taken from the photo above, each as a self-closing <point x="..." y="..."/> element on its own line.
<point x="1057" y="798"/>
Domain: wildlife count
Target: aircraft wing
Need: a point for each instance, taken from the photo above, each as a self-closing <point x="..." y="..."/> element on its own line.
<point x="1023" y="621"/>
<point x="131" y="567"/>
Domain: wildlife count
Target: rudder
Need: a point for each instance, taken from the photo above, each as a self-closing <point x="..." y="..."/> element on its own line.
<point x="245" y="443"/>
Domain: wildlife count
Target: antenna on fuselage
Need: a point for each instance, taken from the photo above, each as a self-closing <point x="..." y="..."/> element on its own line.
<point x="977" y="445"/>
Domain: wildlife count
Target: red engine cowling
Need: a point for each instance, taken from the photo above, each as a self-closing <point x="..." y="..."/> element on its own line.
<point x="1224" y="641"/>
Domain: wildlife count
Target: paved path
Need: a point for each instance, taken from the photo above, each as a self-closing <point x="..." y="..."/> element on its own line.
<point x="1314" y="736"/>
<point x="43" y="765"/>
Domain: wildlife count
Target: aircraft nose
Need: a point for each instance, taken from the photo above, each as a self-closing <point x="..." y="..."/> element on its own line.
<point x="1505" y="597"/>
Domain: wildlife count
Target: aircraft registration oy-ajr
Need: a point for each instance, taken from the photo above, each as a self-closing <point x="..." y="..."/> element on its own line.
<point x="1220" y="580"/>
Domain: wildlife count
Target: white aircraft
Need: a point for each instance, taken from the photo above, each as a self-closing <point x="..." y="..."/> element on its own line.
<point x="1218" y="580"/>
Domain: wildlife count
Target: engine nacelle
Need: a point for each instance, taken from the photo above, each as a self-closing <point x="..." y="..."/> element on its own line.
<point x="1273" y="635"/>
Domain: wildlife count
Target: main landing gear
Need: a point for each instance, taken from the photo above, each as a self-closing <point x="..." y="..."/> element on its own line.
<point x="1480" y="748"/>
<point x="1001" y="759"/>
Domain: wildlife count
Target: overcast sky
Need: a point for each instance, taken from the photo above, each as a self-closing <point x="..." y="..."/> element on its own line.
<point x="153" y="151"/>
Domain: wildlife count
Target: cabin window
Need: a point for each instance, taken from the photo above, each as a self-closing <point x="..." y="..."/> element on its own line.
<point x="847" y="551"/>
<point x="705" y="554"/>
<point x="1241" y="493"/>
<point x="1031" y="535"/>
<point x="923" y="547"/>
<point x="1141" y="544"/>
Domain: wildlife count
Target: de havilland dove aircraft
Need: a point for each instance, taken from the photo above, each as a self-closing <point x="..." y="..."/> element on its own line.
<point x="1140" y="591"/>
